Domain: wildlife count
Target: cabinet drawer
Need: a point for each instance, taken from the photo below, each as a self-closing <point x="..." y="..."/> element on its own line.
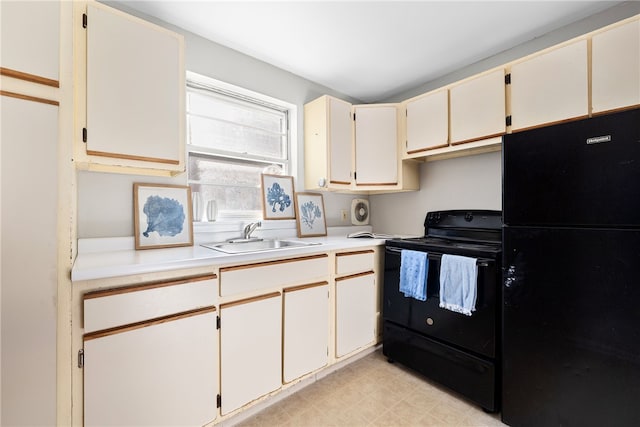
<point x="116" y="307"/>
<point x="354" y="262"/>
<point x="273" y="274"/>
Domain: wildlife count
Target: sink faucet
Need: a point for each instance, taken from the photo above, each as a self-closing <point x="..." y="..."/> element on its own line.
<point x="249" y="228"/>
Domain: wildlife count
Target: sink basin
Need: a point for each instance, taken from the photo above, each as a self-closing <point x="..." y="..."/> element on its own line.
<point x="241" y="247"/>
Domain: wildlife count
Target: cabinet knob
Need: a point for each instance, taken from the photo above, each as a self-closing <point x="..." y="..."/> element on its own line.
<point x="322" y="182"/>
<point x="429" y="321"/>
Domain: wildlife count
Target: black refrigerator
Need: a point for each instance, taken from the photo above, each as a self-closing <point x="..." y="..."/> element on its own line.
<point x="571" y="274"/>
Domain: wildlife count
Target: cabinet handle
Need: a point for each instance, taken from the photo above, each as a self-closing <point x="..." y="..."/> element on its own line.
<point x="81" y="358"/>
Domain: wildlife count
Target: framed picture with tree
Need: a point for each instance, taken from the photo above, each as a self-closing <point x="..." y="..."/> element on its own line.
<point x="162" y="216"/>
<point x="277" y="197"/>
<point x="310" y="218"/>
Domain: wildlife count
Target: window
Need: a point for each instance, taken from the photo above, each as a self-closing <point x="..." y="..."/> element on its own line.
<point x="233" y="136"/>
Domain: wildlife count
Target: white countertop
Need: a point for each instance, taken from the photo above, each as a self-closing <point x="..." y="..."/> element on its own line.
<point x="112" y="257"/>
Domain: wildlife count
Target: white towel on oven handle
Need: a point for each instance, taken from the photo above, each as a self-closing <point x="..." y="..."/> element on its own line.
<point x="458" y="283"/>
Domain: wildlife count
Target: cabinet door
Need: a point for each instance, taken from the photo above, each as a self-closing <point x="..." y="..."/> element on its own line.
<point x="29" y="235"/>
<point x="478" y="108"/>
<point x="550" y="87"/>
<point x="31" y="38"/>
<point x="163" y="373"/>
<point x="340" y="142"/>
<point x="328" y="143"/>
<point x="306" y="330"/>
<point x="250" y="350"/>
<point x="355" y="312"/>
<point x="135" y="88"/>
<point x="615" y="68"/>
<point x="376" y="144"/>
<point x="428" y="122"/>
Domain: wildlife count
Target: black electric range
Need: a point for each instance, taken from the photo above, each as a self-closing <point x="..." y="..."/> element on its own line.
<point x="459" y="351"/>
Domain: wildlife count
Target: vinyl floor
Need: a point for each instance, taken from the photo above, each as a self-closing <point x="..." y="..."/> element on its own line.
<point x="373" y="392"/>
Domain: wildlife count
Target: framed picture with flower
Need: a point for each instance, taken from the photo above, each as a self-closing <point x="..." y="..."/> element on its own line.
<point x="162" y="216"/>
<point x="277" y="197"/>
<point x="310" y="218"/>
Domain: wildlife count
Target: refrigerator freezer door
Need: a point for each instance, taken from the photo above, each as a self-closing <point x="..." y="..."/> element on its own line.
<point x="571" y="338"/>
<point x="583" y="173"/>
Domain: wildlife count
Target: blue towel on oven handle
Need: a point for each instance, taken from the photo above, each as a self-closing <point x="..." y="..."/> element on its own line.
<point x="414" y="267"/>
<point x="458" y="283"/>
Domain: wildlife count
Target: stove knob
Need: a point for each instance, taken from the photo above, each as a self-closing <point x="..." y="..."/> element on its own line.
<point x="468" y="217"/>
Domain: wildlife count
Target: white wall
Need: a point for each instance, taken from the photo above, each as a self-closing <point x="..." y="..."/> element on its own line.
<point x="461" y="183"/>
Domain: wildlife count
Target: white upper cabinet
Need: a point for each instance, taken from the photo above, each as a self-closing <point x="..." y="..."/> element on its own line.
<point x="376" y="144"/>
<point x="615" y="68"/>
<point x="354" y="148"/>
<point x="550" y="87"/>
<point x="340" y="147"/>
<point x="328" y="143"/>
<point x="135" y="85"/>
<point x="33" y="29"/>
<point x="427" y="122"/>
<point x="478" y="108"/>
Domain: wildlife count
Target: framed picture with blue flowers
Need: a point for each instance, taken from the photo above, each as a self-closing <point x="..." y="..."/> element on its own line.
<point x="277" y="197"/>
<point x="310" y="218"/>
<point x="162" y="216"/>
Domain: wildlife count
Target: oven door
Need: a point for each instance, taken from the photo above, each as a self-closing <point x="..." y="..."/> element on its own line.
<point x="476" y="333"/>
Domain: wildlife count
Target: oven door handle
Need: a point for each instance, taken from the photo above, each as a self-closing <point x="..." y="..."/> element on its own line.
<point x="480" y="262"/>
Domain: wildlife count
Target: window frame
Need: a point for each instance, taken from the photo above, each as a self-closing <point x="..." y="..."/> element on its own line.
<point x="204" y="83"/>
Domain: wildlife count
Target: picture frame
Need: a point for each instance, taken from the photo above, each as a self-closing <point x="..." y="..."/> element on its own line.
<point x="310" y="218"/>
<point x="163" y="216"/>
<point x="278" y="201"/>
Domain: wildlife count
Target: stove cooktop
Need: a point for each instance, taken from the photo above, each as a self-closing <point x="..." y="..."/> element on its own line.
<point x="475" y="233"/>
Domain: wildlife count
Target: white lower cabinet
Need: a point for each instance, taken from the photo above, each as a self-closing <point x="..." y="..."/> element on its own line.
<point x="306" y="330"/>
<point x="162" y="372"/>
<point x="355" y="312"/>
<point x="29" y="259"/>
<point x="171" y="353"/>
<point x="250" y="349"/>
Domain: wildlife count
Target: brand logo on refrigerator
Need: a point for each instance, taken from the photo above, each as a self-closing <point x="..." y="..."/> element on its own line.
<point x="599" y="139"/>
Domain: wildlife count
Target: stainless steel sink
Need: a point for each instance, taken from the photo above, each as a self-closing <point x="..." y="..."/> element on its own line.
<point x="245" y="246"/>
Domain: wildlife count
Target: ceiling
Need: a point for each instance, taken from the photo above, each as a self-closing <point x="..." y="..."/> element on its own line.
<point x="370" y="50"/>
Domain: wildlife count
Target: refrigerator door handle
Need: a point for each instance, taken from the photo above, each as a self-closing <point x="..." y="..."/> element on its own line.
<point x="510" y="276"/>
